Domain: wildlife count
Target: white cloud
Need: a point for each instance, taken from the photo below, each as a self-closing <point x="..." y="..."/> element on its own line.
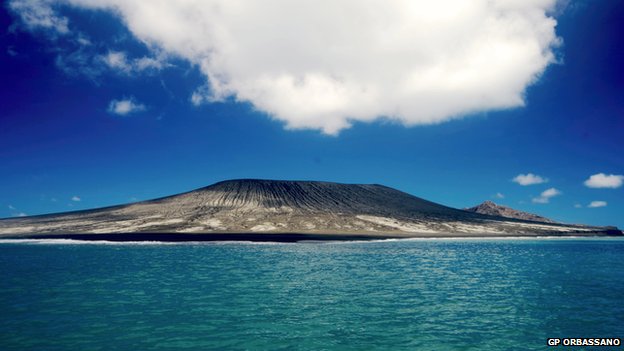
<point x="197" y="98"/>
<point x="74" y="52"/>
<point x="602" y="180"/>
<point x="83" y="40"/>
<point x="551" y="192"/>
<point x="118" y="60"/>
<point x="11" y="207"/>
<point x="326" y="64"/>
<point x="145" y="63"/>
<point x="40" y="14"/>
<point x="529" y="179"/>
<point x="595" y="204"/>
<point x="499" y="196"/>
<point x="21" y="214"/>
<point x="76" y="198"/>
<point x="546" y="195"/>
<point x="578" y="206"/>
<point x="124" y="107"/>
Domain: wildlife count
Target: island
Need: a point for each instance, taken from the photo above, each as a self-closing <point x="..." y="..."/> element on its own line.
<point x="289" y="211"/>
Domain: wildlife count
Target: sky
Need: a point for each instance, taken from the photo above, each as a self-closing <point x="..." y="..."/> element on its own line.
<point x="107" y="102"/>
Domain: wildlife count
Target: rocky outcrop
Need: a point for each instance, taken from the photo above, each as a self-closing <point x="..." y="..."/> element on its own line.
<point x="491" y="209"/>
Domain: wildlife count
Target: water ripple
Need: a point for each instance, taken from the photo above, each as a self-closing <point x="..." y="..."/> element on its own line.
<point x="399" y="295"/>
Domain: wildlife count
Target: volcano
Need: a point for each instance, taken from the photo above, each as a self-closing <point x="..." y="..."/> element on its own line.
<point x="268" y="210"/>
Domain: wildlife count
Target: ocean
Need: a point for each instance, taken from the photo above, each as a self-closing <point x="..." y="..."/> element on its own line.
<point x="421" y="294"/>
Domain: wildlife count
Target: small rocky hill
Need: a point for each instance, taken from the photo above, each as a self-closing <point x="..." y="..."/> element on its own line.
<point x="491" y="209"/>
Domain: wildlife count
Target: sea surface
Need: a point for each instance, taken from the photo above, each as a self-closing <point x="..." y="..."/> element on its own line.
<point x="426" y="294"/>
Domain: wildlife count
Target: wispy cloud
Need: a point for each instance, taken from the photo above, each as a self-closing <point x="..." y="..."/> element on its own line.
<point x="76" y="198"/>
<point x="499" y="196"/>
<point x="40" y="14"/>
<point x="546" y="195"/>
<point x="75" y="52"/>
<point x="529" y="179"/>
<point x="119" y="61"/>
<point x="595" y="204"/>
<point x="602" y="180"/>
<point x="145" y="63"/>
<point x="125" y="107"/>
<point x="15" y="212"/>
<point x="78" y="60"/>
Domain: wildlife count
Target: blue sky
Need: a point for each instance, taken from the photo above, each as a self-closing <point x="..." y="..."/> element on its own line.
<point x="99" y="105"/>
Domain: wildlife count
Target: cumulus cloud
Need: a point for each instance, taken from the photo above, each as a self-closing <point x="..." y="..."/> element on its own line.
<point x="595" y="204"/>
<point x="125" y="107"/>
<point x="529" y="179"/>
<point x="76" y="198"/>
<point x="326" y="64"/>
<point x="546" y="195"/>
<point x="602" y="180"/>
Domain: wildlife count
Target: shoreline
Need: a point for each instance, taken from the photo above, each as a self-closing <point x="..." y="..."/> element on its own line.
<point x="285" y="237"/>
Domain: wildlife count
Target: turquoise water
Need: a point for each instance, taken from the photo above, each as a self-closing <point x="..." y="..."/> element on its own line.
<point x="396" y="295"/>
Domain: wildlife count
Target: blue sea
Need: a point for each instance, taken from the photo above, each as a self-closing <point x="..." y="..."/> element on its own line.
<point x="422" y="294"/>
